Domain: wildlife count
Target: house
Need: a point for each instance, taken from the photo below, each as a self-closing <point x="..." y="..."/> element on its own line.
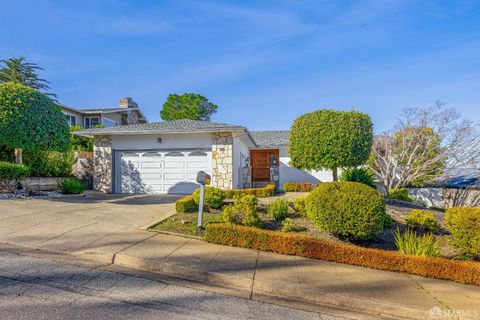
<point x="127" y="113"/>
<point x="164" y="157"/>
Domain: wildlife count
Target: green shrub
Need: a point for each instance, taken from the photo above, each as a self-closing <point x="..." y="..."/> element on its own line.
<point x="185" y="205"/>
<point x="289" y="225"/>
<point x="243" y="211"/>
<point x="278" y="209"/>
<point x="362" y="175"/>
<point x="300" y="205"/>
<point x="267" y="191"/>
<point x="423" y="220"/>
<point x="464" y="225"/>
<point x="29" y="119"/>
<point x="79" y="143"/>
<point x="410" y="243"/>
<point x="213" y="197"/>
<point x="297" y="186"/>
<point x="49" y="163"/>
<point x="288" y="243"/>
<point x="71" y="186"/>
<point x="347" y="209"/>
<point x="399" y="194"/>
<point x="11" y="174"/>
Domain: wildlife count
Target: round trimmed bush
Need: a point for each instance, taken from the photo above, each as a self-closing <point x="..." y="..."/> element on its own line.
<point x="349" y="210"/>
<point x="213" y="197"/>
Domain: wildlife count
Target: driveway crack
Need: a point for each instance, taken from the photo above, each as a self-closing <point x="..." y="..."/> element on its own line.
<point x="254" y="274"/>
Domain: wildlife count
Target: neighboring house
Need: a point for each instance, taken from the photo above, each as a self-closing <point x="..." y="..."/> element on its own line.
<point x="164" y="157"/>
<point x="127" y="113"/>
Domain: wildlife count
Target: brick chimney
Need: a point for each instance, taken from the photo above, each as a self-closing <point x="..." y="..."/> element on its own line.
<point x="128" y="103"/>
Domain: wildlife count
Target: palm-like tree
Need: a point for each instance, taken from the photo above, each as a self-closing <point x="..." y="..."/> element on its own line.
<point x="20" y="71"/>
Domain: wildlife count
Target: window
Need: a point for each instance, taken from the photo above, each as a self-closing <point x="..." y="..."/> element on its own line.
<point x="174" y="154"/>
<point x="108" y="122"/>
<point x="151" y="154"/>
<point x="91" y="122"/>
<point x="197" y="154"/>
<point x="71" y="120"/>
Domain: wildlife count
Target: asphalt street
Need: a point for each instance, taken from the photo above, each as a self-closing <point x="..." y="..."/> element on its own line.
<point x="37" y="288"/>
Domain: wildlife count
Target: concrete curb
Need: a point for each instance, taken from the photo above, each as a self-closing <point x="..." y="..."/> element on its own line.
<point x="278" y="292"/>
<point x="303" y="298"/>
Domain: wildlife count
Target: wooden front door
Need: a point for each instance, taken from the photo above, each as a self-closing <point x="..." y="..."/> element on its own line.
<point x="262" y="160"/>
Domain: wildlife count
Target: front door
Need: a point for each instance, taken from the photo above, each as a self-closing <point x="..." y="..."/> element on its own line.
<point x="262" y="160"/>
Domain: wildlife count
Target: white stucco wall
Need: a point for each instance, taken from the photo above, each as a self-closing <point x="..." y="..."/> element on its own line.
<point x="288" y="173"/>
<point x="239" y="147"/>
<point x="169" y="141"/>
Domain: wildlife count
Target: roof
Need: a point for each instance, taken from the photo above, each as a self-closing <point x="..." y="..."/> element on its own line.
<point x="104" y="110"/>
<point x="274" y="138"/>
<point x="174" y="126"/>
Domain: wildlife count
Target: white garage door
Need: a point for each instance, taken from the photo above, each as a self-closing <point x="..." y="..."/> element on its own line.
<point x="172" y="172"/>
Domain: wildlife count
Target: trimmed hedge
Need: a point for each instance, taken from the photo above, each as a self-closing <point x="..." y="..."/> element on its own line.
<point x="267" y="191"/>
<point x="297" y="186"/>
<point x="185" y="204"/>
<point x="465" y="272"/>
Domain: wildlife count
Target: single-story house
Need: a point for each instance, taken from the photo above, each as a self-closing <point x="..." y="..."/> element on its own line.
<point x="164" y="157"/>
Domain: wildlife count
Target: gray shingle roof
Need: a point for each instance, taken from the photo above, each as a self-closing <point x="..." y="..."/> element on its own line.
<point x="272" y="138"/>
<point x="184" y="125"/>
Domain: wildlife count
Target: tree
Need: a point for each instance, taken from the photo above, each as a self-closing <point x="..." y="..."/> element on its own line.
<point x="79" y="143"/>
<point x="29" y="119"/>
<point x="19" y="71"/>
<point x="328" y="139"/>
<point x="187" y="106"/>
<point x="425" y="145"/>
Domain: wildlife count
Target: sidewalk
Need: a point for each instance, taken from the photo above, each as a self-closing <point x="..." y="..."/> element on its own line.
<point x="106" y="234"/>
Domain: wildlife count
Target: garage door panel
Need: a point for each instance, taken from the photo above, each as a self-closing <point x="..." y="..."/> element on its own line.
<point x="162" y="171"/>
<point x="174" y="176"/>
<point x="151" y="177"/>
<point x="174" y="165"/>
<point x="147" y="165"/>
<point x="196" y="164"/>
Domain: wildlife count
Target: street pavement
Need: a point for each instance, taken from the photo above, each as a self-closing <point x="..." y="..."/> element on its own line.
<point x="37" y="288"/>
<point x="110" y="230"/>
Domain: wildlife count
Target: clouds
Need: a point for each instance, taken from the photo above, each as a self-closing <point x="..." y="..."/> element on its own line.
<point x="252" y="56"/>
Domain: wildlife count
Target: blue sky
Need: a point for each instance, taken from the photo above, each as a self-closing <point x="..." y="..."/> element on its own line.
<point x="263" y="62"/>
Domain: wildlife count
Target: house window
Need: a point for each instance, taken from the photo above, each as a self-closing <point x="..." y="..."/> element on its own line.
<point x="71" y="120"/>
<point x="91" y="122"/>
<point x="108" y="122"/>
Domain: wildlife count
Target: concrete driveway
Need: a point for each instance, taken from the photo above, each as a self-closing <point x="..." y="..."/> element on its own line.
<point x="91" y="225"/>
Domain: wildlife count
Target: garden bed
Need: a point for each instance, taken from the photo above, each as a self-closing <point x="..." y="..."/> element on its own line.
<point x="185" y="223"/>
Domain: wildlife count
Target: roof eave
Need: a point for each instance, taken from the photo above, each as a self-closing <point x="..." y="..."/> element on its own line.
<point x="91" y="134"/>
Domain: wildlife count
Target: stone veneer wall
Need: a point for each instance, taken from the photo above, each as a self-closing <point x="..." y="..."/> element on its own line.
<point x="222" y="160"/>
<point x="102" y="163"/>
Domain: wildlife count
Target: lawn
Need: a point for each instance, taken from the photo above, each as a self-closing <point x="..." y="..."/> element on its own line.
<point x="186" y="223"/>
